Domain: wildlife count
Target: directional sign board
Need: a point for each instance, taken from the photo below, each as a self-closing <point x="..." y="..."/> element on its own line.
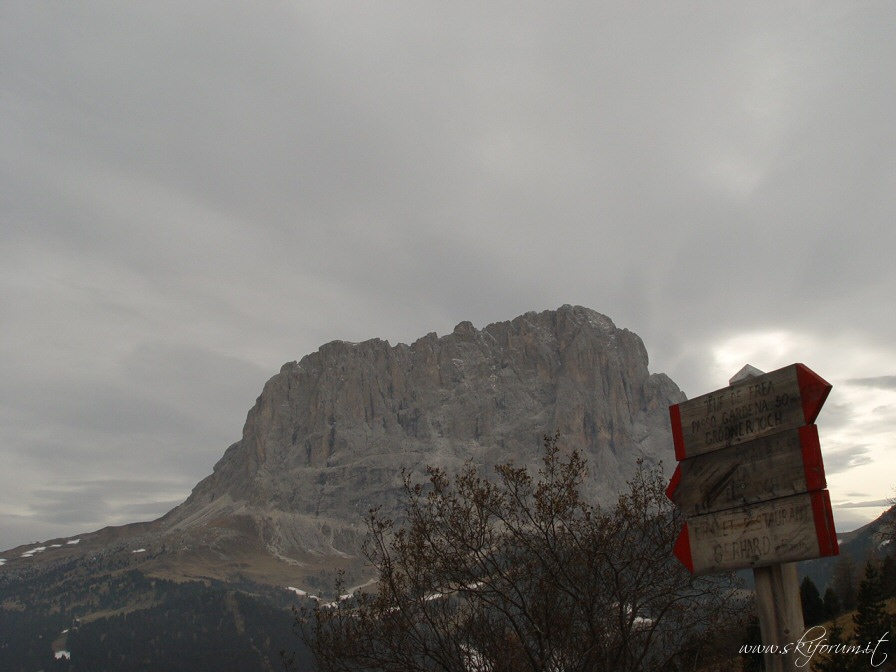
<point x="750" y="478"/>
<point x="784" y="399"/>
<point x="777" y="465"/>
<point x="782" y="530"/>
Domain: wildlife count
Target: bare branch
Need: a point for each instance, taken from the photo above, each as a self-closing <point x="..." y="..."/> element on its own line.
<point x="520" y="572"/>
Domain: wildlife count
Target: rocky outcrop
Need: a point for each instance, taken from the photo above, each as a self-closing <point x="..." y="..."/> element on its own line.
<point x="331" y="435"/>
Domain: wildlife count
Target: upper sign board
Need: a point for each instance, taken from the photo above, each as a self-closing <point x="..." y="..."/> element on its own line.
<point x="784" y="399"/>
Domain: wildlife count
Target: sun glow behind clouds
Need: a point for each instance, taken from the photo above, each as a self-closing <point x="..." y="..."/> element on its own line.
<point x="760" y="349"/>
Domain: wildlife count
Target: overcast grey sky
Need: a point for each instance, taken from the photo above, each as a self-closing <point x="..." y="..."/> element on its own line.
<point x="193" y="193"/>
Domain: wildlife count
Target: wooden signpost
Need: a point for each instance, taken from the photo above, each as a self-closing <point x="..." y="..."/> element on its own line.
<point x="751" y="483"/>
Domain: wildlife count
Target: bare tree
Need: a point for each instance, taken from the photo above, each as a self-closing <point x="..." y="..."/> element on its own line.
<point x="520" y="573"/>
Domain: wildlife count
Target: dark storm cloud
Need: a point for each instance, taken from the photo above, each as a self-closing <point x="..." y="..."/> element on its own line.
<point x="194" y="194"/>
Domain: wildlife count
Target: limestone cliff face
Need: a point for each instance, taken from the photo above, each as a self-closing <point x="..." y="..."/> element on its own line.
<point x="330" y="435"/>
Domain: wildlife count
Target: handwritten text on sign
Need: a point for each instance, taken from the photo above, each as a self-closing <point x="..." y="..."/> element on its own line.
<point x="777" y="465"/>
<point x="788" y="529"/>
<point x="784" y="399"/>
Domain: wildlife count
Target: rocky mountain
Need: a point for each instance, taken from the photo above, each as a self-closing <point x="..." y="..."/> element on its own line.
<point x="330" y="435"/>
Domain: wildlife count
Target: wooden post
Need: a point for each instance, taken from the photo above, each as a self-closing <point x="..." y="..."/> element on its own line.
<point x="780" y="613"/>
<point x="778" y="602"/>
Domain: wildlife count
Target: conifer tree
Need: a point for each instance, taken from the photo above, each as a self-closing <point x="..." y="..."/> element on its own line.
<point x="844" y="582"/>
<point x="871" y="620"/>
<point x="813" y="605"/>
<point x="831" y="603"/>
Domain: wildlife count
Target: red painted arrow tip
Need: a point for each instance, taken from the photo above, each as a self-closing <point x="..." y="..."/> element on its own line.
<point x="677" y="436"/>
<point x="813" y="465"/>
<point x="682" y="548"/>
<point x="813" y="390"/>
<point x="824" y="524"/>
<point x="673" y="483"/>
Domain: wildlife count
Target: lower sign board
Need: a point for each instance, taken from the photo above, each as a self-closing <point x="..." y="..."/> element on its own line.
<point x="781" y="530"/>
<point x="782" y="464"/>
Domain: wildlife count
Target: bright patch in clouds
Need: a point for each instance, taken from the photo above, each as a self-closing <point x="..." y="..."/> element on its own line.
<point x="759" y="349"/>
<point x="866" y="439"/>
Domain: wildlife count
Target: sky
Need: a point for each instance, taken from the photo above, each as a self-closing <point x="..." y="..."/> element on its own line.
<point x="194" y="193"/>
